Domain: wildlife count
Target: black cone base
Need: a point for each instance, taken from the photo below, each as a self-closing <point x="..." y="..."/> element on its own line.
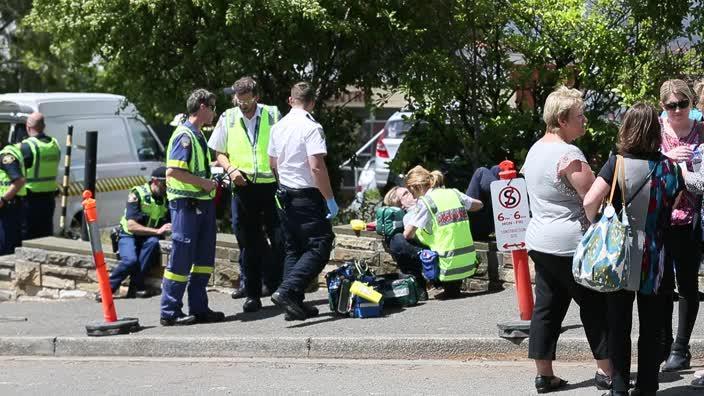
<point x="514" y="329"/>
<point x="120" y="326"/>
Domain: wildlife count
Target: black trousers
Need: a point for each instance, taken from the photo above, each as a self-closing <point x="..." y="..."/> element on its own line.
<point x="683" y="254"/>
<point x="308" y="235"/>
<point x="555" y="288"/>
<point x="405" y="253"/>
<point x="254" y="219"/>
<point x="39" y="215"/>
<point x="620" y="319"/>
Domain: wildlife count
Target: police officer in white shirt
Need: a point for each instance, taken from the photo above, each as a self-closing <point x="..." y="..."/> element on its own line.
<point x="297" y="154"/>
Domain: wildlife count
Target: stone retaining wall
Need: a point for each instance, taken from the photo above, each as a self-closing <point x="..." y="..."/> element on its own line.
<point x="60" y="268"/>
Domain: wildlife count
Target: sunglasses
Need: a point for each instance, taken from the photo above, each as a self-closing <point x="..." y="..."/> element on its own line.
<point x="682" y="104"/>
<point x="211" y="107"/>
<point x="243" y="102"/>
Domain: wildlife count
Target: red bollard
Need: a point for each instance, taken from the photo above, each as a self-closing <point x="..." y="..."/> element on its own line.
<point x="112" y="325"/>
<point x="520" y="259"/>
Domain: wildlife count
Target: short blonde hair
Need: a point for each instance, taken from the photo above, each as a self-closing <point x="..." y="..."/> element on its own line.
<point x="698" y="93"/>
<point x="390" y="199"/>
<point x="676" y="87"/>
<point x="419" y="180"/>
<point x="558" y="105"/>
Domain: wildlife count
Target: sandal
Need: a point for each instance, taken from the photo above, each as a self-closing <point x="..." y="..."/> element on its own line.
<point x="548" y="383"/>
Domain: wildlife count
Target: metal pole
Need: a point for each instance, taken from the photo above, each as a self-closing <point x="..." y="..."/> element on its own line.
<point x="89" y="171"/>
<point x="64" y="183"/>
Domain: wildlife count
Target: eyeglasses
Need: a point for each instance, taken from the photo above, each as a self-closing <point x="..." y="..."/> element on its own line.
<point x="243" y="102"/>
<point x="211" y="107"/>
<point x="682" y="104"/>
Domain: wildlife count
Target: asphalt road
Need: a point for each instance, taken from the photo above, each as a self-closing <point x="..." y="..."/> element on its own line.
<point x="52" y="376"/>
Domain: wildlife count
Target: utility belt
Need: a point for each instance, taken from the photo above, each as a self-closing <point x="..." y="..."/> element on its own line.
<point x="309" y="192"/>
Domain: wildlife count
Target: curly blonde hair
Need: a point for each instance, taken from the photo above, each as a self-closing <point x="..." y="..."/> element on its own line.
<point x="390" y="199"/>
<point x="558" y="105"/>
<point x="419" y="180"/>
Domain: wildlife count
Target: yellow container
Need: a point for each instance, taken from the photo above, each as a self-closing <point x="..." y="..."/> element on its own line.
<point x="364" y="291"/>
<point x="358" y="225"/>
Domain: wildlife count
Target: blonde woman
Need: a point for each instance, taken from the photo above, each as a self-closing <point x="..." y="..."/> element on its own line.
<point x="439" y="220"/>
<point x="558" y="176"/>
<point x="680" y="137"/>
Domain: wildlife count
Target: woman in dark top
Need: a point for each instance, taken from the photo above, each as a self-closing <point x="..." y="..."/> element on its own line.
<point x="651" y="185"/>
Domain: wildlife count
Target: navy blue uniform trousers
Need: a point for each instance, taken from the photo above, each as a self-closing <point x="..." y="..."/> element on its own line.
<point x="137" y="255"/>
<point x="308" y="235"/>
<point x="10" y="227"/>
<point x="254" y="219"/>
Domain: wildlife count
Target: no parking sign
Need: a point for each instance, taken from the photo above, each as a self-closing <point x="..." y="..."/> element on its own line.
<point x="509" y="199"/>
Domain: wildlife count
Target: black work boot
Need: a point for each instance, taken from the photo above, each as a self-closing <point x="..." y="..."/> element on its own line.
<point x="679" y="359"/>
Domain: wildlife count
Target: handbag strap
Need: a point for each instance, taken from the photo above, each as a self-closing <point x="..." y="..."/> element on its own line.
<point x="617" y="172"/>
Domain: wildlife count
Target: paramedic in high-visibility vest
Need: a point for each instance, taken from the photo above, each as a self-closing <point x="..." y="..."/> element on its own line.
<point x="241" y="141"/>
<point x="146" y="221"/>
<point x="190" y="191"/>
<point x="12" y="181"/>
<point x="41" y="155"/>
<point x="439" y="220"/>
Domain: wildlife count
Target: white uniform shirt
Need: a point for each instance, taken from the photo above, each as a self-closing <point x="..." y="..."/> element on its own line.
<point x="293" y="139"/>
<point x="218" y="140"/>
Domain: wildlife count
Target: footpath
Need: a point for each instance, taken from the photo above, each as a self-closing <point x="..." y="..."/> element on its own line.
<point x="460" y="329"/>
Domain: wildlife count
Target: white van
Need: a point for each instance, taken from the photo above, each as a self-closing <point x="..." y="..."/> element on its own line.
<point x="128" y="148"/>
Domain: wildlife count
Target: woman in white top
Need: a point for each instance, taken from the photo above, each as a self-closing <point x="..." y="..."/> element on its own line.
<point x="558" y="176"/>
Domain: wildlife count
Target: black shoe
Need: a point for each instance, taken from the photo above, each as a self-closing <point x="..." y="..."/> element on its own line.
<point x="145" y="293"/>
<point x="638" y="392"/>
<point x="311" y="312"/>
<point x="238" y="293"/>
<point x="423" y="295"/>
<point x="615" y="393"/>
<point x="678" y="360"/>
<point x="295" y="310"/>
<point x="698" y="382"/>
<point x="602" y="381"/>
<point x="252" y="305"/>
<point x="181" y="320"/>
<point x="548" y="383"/>
<point x="209" y="316"/>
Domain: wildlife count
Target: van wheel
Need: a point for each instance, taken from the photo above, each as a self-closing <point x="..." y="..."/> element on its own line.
<point x="74" y="228"/>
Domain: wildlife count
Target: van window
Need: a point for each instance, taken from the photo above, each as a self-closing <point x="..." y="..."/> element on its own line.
<point x="397" y="128"/>
<point x="113" y="142"/>
<point x="147" y="147"/>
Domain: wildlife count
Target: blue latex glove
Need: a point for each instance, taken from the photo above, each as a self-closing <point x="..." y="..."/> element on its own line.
<point x="332" y="208"/>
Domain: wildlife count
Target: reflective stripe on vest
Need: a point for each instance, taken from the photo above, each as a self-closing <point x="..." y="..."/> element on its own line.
<point x="251" y="157"/>
<point x="5" y="181"/>
<point x="41" y="176"/>
<point x="451" y="236"/>
<point x="198" y="165"/>
<point x="154" y="211"/>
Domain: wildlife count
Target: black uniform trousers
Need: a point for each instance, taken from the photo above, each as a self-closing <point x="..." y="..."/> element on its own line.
<point x="405" y="253"/>
<point x="39" y="215"/>
<point x="254" y="219"/>
<point x="555" y="288"/>
<point x="620" y="320"/>
<point x="308" y="236"/>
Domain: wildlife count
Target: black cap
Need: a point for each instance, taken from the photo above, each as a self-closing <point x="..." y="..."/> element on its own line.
<point x="159" y="173"/>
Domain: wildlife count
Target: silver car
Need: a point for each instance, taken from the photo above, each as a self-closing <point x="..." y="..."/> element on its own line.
<point x="388" y="143"/>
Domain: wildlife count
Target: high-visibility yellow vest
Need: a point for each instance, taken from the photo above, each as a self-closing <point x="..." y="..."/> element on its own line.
<point x="199" y="165"/>
<point x="451" y="236"/>
<point x="5" y="181"/>
<point x="41" y="176"/>
<point x="249" y="156"/>
<point x="154" y="210"/>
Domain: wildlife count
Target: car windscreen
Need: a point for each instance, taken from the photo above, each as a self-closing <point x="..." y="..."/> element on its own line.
<point x="397" y="128"/>
<point x="147" y="147"/>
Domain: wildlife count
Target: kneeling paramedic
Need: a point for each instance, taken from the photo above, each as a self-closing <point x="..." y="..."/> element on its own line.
<point x="190" y="191"/>
<point x="12" y="180"/>
<point x="439" y="220"/>
<point x="145" y="222"/>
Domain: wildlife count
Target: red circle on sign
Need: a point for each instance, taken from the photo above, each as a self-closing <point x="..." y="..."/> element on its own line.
<point x="509" y="197"/>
